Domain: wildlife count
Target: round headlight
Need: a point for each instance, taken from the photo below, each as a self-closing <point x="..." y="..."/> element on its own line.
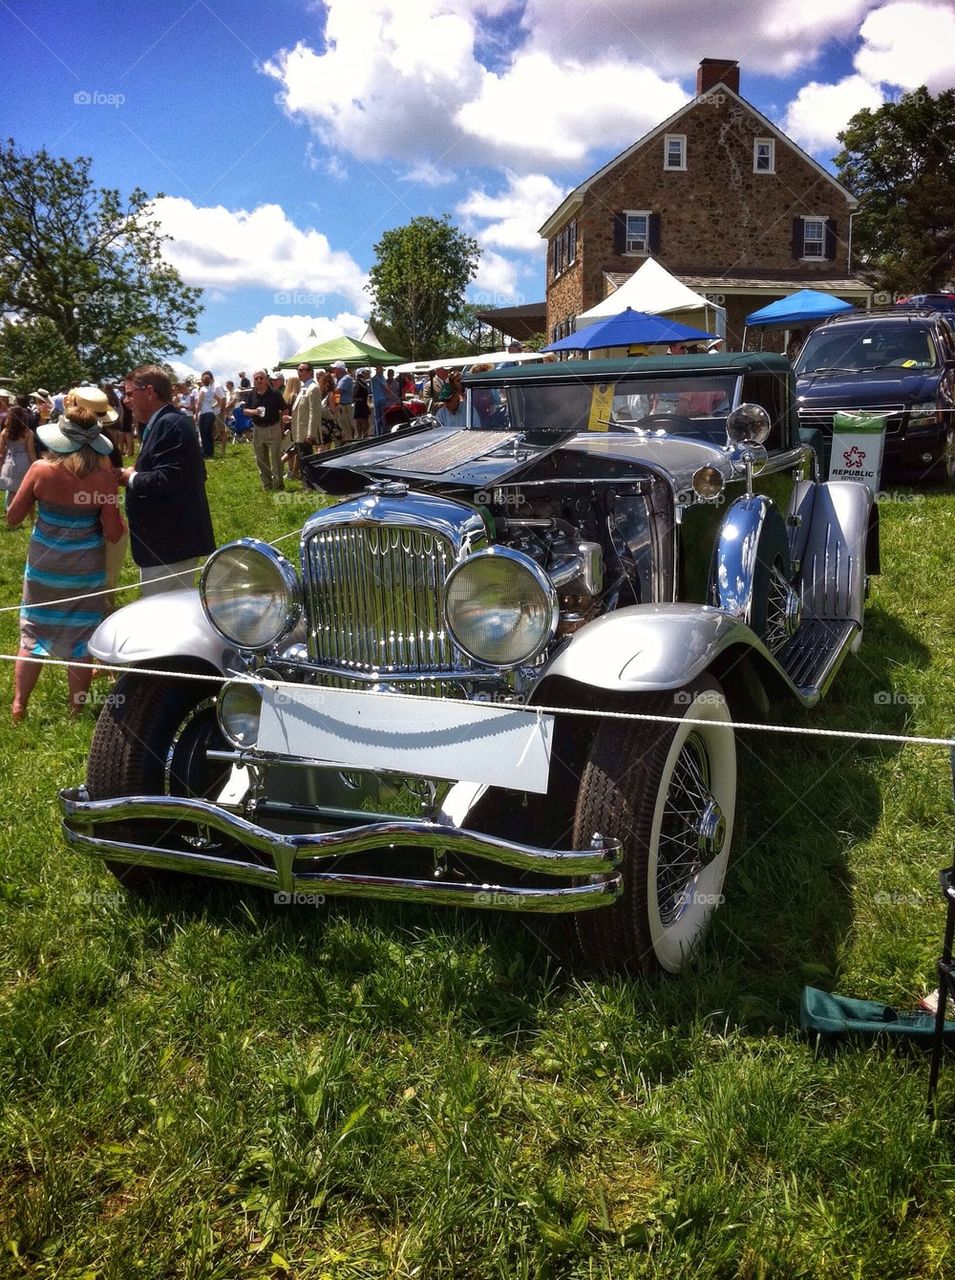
<point x="501" y="607"/>
<point x="707" y="482"/>
<point x="250" y="593"/>
<point x="239" y="708"/>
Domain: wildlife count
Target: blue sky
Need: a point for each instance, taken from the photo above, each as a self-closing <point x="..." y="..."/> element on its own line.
<point x="287" y="137"/>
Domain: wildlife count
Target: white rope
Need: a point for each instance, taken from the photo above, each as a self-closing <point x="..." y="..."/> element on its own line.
<point x="532" y="709"/>
<point x="128" y="586"/>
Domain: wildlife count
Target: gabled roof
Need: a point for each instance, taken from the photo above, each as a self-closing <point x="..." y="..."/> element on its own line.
<point x="575" y="199"/>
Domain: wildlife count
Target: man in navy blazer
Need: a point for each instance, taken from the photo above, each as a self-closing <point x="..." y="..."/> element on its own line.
<point x="170" y="525"/>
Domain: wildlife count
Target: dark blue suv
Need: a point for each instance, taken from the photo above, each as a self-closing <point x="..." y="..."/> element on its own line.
<point x="900" y="363"/>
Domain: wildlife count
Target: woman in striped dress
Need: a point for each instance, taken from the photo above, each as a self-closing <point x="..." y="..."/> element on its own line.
<point x="75" y="491"/>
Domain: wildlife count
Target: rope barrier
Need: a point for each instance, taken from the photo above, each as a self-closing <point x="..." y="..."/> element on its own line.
<point x="534" y="709"/>
<point x="530" y="708"/>
<point x="128" y="586"/>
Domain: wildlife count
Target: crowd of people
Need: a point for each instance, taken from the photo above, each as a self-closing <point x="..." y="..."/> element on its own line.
<point x="64" y="458"/>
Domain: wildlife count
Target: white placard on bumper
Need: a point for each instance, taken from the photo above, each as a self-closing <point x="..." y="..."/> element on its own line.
<point x="857" y="443"/>
<point x="464" y="741"/>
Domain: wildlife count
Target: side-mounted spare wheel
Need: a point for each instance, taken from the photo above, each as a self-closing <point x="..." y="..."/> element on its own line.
<point x="151" y="739"/>
<point x="668" y="792"/>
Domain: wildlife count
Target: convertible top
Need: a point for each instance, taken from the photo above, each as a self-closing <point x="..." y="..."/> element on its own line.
<point x="635" y="366"/>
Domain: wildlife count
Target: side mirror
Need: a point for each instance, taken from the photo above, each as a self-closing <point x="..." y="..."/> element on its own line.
<point x="748" y="424"/>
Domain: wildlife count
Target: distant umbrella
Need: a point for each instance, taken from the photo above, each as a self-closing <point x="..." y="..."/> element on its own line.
<point x="629" y="328"/>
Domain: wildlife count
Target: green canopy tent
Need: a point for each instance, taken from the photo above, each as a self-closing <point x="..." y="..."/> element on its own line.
<point x="350" y="351"/>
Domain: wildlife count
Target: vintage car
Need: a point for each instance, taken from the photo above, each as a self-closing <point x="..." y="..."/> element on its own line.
<point x="505" y="669"/>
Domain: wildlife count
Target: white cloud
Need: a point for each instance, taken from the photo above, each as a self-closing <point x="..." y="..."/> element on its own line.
<point x="909" y="44"/>
<point x="580" y="106"/>
<point x="411" y="83"/>
<point x="427" y="174"/>
<point x="819" y="111"/>
<point x="495" y="284"/>
<point x="512" y="216"/>
<point x="230" y="249"/>
<point x="773" y="37"/>
<point x="273" y="338"/>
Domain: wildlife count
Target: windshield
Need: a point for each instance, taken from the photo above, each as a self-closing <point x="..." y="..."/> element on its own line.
<point x="872" y="347"/>
<point x="686" y="405"/>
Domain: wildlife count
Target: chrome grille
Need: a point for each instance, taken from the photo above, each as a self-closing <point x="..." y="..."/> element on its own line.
<point x="821" y="419"/>
<point x="375" y="598"/>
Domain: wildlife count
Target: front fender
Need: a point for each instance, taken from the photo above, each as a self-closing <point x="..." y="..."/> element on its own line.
<point x="648" y="647"/>
<point x="168" y="625"/>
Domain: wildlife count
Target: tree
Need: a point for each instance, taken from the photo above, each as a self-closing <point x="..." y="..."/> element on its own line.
<point x="34" y="355"/>
<point x="418" y="283"/>
<point x="900" y="161"/>
<point x="90" y="263"/>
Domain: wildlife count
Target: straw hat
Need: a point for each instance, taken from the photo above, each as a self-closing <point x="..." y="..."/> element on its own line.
<point x="65" y="436"/>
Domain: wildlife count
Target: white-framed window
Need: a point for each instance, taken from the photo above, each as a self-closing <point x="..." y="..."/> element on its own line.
<point x="638" y="231"/>
<point x="764" y="155"/>
<point x="674" y="151"/>
<point x="813" y="237"/>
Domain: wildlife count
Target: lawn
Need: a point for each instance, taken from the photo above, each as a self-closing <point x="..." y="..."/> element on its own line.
<point x="225" y="1087"/>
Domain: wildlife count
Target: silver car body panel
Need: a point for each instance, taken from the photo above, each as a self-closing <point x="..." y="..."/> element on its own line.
<point x="644" y="648"/>
<point x="169" y="625"/>
<point x="831" y="544"/>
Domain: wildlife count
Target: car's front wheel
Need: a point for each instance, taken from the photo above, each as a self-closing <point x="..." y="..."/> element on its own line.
<point x="668" y="792"/>
<point x="152" y="739"/>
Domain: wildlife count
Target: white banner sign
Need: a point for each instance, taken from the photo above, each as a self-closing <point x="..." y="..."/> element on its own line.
<point x="857" y="443"/>
<point x="464" y="741"/>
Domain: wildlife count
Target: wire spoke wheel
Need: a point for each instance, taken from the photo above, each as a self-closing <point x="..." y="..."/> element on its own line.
<point x="668" y="792"/>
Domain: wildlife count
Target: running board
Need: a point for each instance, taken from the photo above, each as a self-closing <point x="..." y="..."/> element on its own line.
<point x="815" y="653"/>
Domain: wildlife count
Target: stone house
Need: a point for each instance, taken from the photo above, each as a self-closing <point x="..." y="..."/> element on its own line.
<point x="720" y="197"/>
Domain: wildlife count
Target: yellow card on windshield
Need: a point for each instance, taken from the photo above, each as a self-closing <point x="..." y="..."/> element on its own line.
<point x="601" y="406"/>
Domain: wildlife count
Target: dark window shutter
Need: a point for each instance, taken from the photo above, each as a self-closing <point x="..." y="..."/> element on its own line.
<point x="654" y="233"/>
<point x="830" y="238"/>
<point x="551" y="258"/>
<point x="619" y="233"/>
<point x="798" y="242"/>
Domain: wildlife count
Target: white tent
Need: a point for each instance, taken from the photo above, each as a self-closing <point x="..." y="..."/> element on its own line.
<point x="651" y="288"/>
<point x="369" y="337"/>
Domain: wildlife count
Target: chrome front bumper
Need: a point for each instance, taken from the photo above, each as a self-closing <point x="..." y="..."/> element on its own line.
<point x="300" y="864"/>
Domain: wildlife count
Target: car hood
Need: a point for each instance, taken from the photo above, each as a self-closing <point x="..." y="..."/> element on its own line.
<point x="446" y="455"/>
<point x="873" y="386"/>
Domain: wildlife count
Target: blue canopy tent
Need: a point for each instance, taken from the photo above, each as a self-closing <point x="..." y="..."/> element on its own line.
<point x="629" y="328"/>
<point x="804" y="307"/>
<point x="798" y="308"/>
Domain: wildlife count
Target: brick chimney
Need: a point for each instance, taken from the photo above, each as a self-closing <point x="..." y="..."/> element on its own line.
<point x="712" y="71"/>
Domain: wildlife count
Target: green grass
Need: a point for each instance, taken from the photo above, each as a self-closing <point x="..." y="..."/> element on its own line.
<point x="222" y="1087"/>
